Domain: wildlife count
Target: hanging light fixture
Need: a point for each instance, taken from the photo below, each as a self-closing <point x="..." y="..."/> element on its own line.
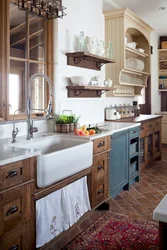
<point x="47" y="9"/>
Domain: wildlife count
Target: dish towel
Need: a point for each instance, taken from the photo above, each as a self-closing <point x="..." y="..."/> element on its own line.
<point x="59" y="210"/>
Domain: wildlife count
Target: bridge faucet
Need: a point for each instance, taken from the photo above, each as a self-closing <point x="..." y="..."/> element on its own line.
<point x="30" y="129"/>
<point x="15" y="130"/>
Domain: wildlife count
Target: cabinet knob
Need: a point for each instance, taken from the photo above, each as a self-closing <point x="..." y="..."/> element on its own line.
<point x="101" y="144"/>
<point x="99" y="167"/>
<point x="12" y="173"/>
<point x="11" y="210"/>
<point x="134" y="132"/>
<point x="14" y="247"/>
<point x="100" y="191"/>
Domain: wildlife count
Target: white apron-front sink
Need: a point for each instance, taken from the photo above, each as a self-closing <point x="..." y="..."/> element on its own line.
<point x="60" y="157"/>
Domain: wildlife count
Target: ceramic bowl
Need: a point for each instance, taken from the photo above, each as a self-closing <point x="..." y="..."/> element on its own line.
<point x="80" y="80"/>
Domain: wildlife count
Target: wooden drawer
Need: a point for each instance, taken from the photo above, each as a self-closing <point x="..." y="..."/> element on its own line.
<point x="142" y="130"/>
<point x="100" y="193"/>
<point x="15" y="208"/>
<point x="157" y="125"/>
<point x="149" y="126"/>
<point x="20" y="238"/>
<point x="100" y="145"/>
<point x="14" y="173"/>
<point x="134" y="132"/>
<point x="100" y="166"/>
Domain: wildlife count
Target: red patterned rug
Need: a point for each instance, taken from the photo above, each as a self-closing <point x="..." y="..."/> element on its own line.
<point x="117" y="232"/>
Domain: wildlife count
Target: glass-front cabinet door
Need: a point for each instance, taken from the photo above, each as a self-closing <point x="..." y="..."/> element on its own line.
<point x="157" y="143"/>
<point x="27" y="52"/>
<point x="149" y="147"/>
<point x="142" y="151"/>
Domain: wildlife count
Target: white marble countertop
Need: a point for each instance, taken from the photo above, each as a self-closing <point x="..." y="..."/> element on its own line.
<point x="10" y="153"/>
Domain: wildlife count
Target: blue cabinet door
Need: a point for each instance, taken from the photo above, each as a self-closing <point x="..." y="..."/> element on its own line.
<point x="119" y="162"/>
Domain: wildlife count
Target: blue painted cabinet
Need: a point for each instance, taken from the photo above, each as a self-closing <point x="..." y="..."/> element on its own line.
<point x="119" y="158"/>
<point x="124" y="160"/>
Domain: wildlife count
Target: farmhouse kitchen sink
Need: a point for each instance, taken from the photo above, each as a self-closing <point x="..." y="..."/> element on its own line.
<point x="59" y="157"/>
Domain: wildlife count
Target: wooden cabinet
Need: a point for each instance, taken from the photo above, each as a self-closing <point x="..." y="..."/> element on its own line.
<point x="26" y="48"/>
<point x="150" y="141"/>
<point x="99" y="175"/>
<point x="16" y="205"/>
<point x="128" y="78"/>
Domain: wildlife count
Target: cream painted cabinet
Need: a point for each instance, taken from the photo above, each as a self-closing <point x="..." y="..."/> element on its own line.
<point x="164" y="129"/>
<point x="132" y="67"/>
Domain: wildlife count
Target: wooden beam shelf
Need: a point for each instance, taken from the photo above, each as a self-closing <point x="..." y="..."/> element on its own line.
<point x="135" y="51"/>
<point x="86" y="91"/>
<point x="87" y="60"/>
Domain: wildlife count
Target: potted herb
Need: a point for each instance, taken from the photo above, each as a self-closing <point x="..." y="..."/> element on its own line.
<point x="58" y="126"/>
<point x="65" y="123"/>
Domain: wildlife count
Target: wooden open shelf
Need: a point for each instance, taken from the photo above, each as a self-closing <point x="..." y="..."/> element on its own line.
<point x="87" y="60"/>
<point x="134" y="51"/>
<point x="86" y="91"/>
<point x="129" y="70"/>
<point x="132" y="84"/>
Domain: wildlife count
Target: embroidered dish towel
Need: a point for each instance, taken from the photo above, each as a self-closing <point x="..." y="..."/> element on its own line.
<point x="59" y="210"/>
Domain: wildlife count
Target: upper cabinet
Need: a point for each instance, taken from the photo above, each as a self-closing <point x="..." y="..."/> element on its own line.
<point x="26" y="48"/>
<point x="130" y="37"/>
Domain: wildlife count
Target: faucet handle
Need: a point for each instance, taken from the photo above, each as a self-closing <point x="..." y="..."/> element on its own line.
<point x="15" y="132"/>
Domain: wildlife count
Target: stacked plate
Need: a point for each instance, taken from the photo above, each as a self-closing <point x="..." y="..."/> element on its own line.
<point x="134" y="63"/>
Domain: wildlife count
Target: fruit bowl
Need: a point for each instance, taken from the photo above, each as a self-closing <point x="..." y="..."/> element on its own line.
<point x="84" y="131"/>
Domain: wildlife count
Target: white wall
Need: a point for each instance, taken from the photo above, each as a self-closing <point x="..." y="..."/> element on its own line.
<point x="84" y="16"/>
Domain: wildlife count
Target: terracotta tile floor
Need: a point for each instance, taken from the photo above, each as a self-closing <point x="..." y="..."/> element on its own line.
<point x="144" y="196"/>
<point x="139" y="202"/>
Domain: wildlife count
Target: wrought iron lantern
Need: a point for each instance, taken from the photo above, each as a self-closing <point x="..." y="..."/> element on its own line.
<point x="47" y="9"/>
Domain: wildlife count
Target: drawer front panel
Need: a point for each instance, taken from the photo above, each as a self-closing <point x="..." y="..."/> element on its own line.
<point x="101" y="190"/>
<point x="142" y="131"/>
<point x="157" y="123"/>
<point x="14" y="173"/>
<point x="15" y="208"/>
<point x="100" y="145"/>
<point x="149" y="126"/>
<point x="100" y="163"/>
<point x="134" y="132"/>
<point x="19" y="239"/>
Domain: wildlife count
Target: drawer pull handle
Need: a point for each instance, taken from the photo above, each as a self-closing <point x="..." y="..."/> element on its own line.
<point x="99" y="167"/>
<point x="101" y="144"/>
<point x="14" y="247"/>
<point x="100" y="191"/>
<point x="12" y="210"/>
<point x="12" y="173"/>
<point x="134" y="132"/>
<point x="150" y="126"/>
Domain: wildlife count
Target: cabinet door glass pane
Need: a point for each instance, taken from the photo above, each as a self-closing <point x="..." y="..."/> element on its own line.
<point x="16" y="86"/>
<point x="157" y="142"/>
<point x="142" y="150"/>
<point x="150" y="146"/>
<point x="39" y="87"/>
<point x="17" y="32"/>
<point x="37" y="39"/>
